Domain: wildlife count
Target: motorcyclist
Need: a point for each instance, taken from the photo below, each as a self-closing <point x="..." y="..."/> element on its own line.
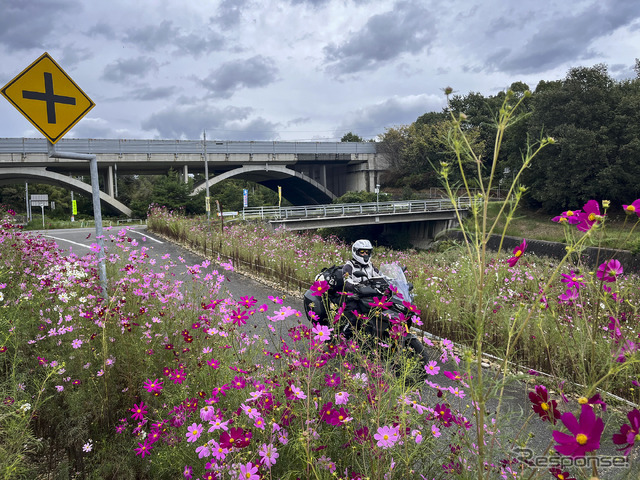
<point x="355" y="272"/>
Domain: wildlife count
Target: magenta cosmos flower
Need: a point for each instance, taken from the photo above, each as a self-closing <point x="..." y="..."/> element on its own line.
<point x="517" y="253"/>
<point x="590" y="214"/>
<point x="629" y="433"/>
<point x="570" y="217"/>
<point x="573" y="280"/>
<point x="319" y="288"/>
<point x="585" y="434"/>
<point x="609" y="271"/>
<point x="548" y="410"/>
<point x="239" y="317"/>
<point x="139" y="411"/>
<point x="633" y="208"/>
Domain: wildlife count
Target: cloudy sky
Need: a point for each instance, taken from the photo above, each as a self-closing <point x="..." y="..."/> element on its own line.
<point x="299" y="69"/>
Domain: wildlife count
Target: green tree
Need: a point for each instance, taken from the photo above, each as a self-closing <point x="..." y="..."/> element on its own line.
<point x="593" y="120"/>
<point x="351" y="137"/>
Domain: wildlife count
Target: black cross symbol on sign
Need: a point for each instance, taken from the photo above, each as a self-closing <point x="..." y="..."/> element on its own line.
<point x="49" y="97"/>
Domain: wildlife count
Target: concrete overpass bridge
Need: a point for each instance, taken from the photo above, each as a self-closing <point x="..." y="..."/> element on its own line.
<point x="308" y="172"/>
<point x="419" y="220"/>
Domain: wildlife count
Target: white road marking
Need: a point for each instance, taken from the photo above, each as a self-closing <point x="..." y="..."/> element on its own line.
<point x="68" y="241"/>
<point x="150" y="238"/>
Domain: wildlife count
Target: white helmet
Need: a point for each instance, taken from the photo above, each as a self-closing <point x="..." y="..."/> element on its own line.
<point x="361" y="251"/>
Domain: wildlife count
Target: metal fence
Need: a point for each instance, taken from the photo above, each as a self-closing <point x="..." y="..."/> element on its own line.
<point x="352" y="209"/>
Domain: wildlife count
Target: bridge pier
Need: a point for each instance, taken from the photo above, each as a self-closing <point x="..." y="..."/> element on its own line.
<point x="110" y="181"/>
<point x="420" y="234"/>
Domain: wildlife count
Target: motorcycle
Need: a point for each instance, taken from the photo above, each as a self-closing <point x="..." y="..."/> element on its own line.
<point x="391" y="323"/>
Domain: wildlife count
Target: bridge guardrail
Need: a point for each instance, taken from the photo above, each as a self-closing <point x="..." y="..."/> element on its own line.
<point x="348" y="209"/>
<point x="124" y="146"/>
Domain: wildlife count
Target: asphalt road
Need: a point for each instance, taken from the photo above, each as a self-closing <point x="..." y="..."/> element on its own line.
<point x="79" y="241"/>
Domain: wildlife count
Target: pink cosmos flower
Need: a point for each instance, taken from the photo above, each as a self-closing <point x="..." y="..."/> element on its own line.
<point x="570" y="296"/>
<point x="297" y="392"/>
<point x="342" y="398"/>
<point x="609" y="271"/>
<point x="217" y="451"/>
<point x="386" y="437"/>
<point x="194" y="432"/>
<point x="629" y="433"/>
<point x="322" y="332"/>
<point x="589" y="216"/>
<point x="268" y="455"/>
<point x="319" y="288"/>
<point x="517" y="253"/>
<point x="633" y="208"/>
<point x="432" y="368"/>
<point x="585" y="434"/>
<point x="204" y="451"/>
<point x="249" y="472"/>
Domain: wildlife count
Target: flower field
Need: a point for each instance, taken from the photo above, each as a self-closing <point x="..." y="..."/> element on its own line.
<point x="162" y="381"/>
<point x="167" y="374"/>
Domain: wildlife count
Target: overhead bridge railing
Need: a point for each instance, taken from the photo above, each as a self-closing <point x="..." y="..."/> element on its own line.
<point x="352" y="209"/>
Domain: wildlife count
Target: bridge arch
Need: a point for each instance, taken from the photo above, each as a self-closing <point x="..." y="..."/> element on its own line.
<point x="297" y="187"/>
<point x="9" y="175"/>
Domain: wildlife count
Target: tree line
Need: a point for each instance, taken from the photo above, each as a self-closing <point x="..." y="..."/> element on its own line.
<point x="594" y="119"/>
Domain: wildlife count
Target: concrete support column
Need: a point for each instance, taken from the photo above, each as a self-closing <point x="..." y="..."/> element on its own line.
<point x="109" y="182"/>
<point x="323" y="175"/>
<point x="185" y="174"/>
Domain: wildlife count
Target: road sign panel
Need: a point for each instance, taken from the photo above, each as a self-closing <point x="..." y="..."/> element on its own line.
<point x="48" y="97"/>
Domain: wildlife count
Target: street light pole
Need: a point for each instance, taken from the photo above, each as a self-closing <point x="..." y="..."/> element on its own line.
<point x="377" y="190"/>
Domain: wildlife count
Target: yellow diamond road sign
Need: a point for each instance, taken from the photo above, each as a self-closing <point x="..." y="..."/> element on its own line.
<point x="48" y="98"/>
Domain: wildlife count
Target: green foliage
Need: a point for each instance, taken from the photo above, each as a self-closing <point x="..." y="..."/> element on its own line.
<point x="595" y="121"/>
<point x="362" y="197"/>
<point x="351" y="137"/>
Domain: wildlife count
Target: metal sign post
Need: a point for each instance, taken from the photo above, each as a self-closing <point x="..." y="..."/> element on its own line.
<point x="47" y="96"/>
<point x="97" y="213"/>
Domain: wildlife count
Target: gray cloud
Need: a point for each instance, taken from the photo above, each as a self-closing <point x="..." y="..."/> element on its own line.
<point x="149" y="94"/>
<point x="565" y="38"/>
<point x="166" y="35"/>
<point x="407" y="28"/>
<point x="372" y="120"/>
<point x="229" y="13"/>
<point x="126" y="69"/>
<point x="253" y="72"/>
<point x="230" y="123"/>
<point x="26" y="24"/>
